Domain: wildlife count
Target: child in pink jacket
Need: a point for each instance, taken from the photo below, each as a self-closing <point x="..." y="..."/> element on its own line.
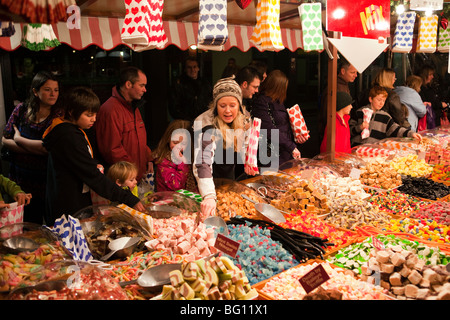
<point x="171" y="157"/>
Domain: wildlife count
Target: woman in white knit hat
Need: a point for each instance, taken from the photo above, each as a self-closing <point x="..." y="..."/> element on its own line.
<point x="219" y="141"/>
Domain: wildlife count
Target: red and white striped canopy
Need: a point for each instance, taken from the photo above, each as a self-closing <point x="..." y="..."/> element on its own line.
<point x="105" y="33"/>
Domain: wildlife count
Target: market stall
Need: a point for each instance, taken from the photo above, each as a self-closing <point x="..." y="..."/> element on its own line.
<point x="368" y="240"/>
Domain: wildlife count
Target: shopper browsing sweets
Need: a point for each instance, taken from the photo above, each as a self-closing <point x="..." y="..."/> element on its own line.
<point x="342" y="141"/>
<point x="124" y="174"/>
<point x="12" y="190"/>
<point x="72" y="170"/>
<point x="22" y="136"/>
<point x="219" y="135"/>
<point x="381" y="124"/>
<point x="172" y="157"/>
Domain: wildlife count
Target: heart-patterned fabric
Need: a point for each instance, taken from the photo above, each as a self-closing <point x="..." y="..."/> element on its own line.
<point x="212" y="25"/>
<point x="143" y="26"/>
<point x="404" y="32"/>
<point x="311" y="18"/>
<point x="427" y="38"/>
<point x="444" y="39"/>
<point x="267" y="33"/>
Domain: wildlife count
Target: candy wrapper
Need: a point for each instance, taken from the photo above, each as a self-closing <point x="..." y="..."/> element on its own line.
<point x="252" y="149"/>
<point x="191" y="195"/>
<point x="298" y="123"/>
<point x="366" y="118"/>
<point x="11" y="215"/>
<point x="72" y="237"/>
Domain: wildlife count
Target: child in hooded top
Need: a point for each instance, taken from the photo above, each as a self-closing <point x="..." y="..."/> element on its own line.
<point x="381" y="124"/>
<point x="124" y="174"/>
<point x="72" y="169"/>
<point x="172" y="157"/>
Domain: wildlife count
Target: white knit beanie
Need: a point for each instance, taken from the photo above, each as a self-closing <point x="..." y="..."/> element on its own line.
<point x="226" y="87"/>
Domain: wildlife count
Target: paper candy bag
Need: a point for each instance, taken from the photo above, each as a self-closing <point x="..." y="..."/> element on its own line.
<point x="143" y="26"/>
<point x="212" y="25"/>
<point x="404" y="32"/>
<point x="267" y="32"/>
<point x="72" y="237"/>
<point x="298" y="123"/>
<point x="144" y="220"/>
<point x="366" y="118"/>
<point x="147" y="185"/>
<point x="427" y="38"/>
<point x="444" y="39"/>
<point x="11" y="215"/>
<point x="251" y="158"/>
<point x="311" y="18"/>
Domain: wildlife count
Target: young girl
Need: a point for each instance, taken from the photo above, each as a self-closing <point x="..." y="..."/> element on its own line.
<point x="172" y="167"/>
<point x="72" y="170"/>
<point x="124" y="174"/>
<point x="381" y="124"/>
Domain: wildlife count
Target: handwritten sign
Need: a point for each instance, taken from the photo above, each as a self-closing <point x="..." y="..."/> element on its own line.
<point x="314" y="278"/>
<point x="355" y="173"/>
<point x="226" y="245"/>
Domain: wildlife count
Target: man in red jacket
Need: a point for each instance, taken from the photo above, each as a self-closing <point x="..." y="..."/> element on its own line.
<point x="120" y="130"/>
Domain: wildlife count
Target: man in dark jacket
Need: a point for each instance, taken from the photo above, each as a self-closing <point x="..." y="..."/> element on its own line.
<point x="191" y="94"/>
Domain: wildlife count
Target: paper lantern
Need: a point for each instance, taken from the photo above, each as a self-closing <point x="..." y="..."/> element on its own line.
<point x="311" y="19"/>
<point x="267" y="33"/>
<point x="427" y="38"/>
<point x="404" y="32"/>
<point x="143" y="26"/>
<point x="212" y="25"/>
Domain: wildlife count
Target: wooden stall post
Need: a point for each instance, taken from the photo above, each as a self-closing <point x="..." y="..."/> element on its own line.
<point x="331" y="100"/>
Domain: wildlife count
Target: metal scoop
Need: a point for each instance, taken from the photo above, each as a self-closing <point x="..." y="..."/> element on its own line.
<point x="154" y="277"/>
<point x="267" y="210"/>
<point x="19" y="244"/>
<point x="217" y="222"/>
<point x="120" y="244"/>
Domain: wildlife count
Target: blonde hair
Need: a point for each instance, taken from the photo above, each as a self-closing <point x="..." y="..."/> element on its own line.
<point x="121" y="171"/>
<point x="162" y="150"/>
<point x="384" y="78"/>
<point x="414" y="82"/>
<point x="235" y="126"/>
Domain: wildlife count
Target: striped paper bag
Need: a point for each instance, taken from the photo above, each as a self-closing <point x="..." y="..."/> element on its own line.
<point x="311" y="18"/>
<point x="212" y="25"/>
<point x="427" y="38"/>
<point x="404" y="32"/>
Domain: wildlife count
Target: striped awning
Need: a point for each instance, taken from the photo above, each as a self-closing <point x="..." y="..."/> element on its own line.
<point x="105" y="33"/>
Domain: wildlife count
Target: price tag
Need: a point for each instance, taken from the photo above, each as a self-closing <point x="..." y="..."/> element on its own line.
<point x="421" y="155"/>
<point x="377" y="243"/>
<point x="226" y="245"/>
<point x="314" y="278"/>
<point x="355" y="173"/>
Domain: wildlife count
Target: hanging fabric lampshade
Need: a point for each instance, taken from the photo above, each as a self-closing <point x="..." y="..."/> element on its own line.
<point x="212" y="25"/>
<point x="267" y="33"/>
<point x="40" y="11"/>
<point x="143" y="26"/>
<point x="38" y="36"/>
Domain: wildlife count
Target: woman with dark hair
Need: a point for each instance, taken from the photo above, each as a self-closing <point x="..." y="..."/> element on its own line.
<point x="430" y="93"/>
<point x="269" y="107"/>
<point x="72" y="169"/>
<point x="23" y="137"/>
